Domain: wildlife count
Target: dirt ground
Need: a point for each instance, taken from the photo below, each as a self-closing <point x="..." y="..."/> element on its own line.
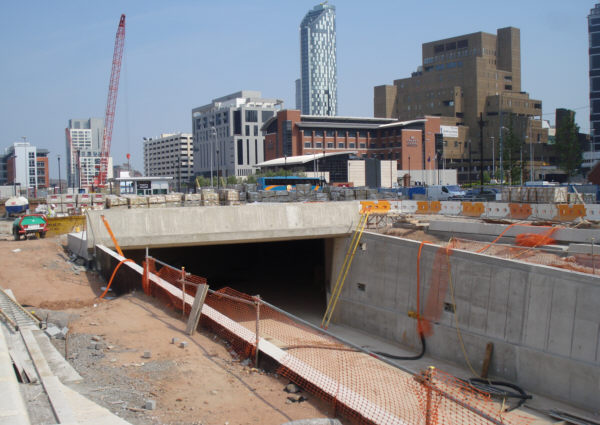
<point x="203" y="383"/>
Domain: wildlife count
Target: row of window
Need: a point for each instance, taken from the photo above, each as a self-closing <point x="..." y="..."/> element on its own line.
<point x="331" y="145"/>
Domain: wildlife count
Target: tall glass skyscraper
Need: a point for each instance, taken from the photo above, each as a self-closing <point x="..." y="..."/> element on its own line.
<point x="318" y="82"/>
<point x="594" y="52"/>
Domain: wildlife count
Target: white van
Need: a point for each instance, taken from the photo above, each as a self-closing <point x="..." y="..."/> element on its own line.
<point x="444" y="192"/>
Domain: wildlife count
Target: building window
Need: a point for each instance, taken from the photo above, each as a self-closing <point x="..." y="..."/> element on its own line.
<point x="318" y="145"/>
<point x="595" y="84"/>
<point x="330" y="145"/>
<point x="247" y="131"/>
<point x="352" y="145"/>
<point x="255" y="129"/>
<point x="240" y="152"/>
<point x="307" y="144"/>
<point x="251" y="116"/>
<point x="363" y="145"/>
<point x="32" y="155"/>
<point x="330" y="133"/>
<point x="32" y="180"/>
<point x="318" y="133"/>
<point x="341" y="145"/>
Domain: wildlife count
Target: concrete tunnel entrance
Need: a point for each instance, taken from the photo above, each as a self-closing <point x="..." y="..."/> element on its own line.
<point x="288" y="274"/>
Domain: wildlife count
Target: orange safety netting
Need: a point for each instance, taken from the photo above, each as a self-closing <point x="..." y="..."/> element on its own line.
<point x="357" y="385"/>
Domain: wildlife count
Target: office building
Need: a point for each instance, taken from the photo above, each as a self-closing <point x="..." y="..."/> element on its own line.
<point x="84" y="139"/>
<point x="318" y="64"/>
<point x="331" y="141"/>
<point x="470" y="77"/>
<point x="26" y="166"/>
<point x="593" y="154"/>
<point x="170" y="155"/>
<point x="227" y="140"/>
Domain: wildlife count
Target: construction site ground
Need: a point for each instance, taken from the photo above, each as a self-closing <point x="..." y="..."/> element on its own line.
<point x="203" y="383"/>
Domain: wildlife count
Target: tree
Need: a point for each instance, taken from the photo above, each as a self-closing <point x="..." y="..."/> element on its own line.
<point x="567" y="146"/>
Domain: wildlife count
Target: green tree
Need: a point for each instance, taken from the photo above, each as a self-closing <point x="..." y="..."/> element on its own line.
<point x="202" y="181"/>
<point x="232" y="180"/>
<point x="251" y="179"/>
<point x="567" y="146"/>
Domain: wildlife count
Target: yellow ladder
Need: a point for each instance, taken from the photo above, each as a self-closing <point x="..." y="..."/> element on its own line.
<point x="339" y="283"/>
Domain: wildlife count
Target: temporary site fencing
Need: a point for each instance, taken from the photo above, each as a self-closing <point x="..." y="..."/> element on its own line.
<point x="360" y="385"/>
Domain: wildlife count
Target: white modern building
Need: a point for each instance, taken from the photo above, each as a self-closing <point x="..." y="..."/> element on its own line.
<point x="318" y="64"/>
<point x="26" y="167"/>
<point x="170" y="155"/>
<point x="227" y="136"/>
<point x="84" y="145"/>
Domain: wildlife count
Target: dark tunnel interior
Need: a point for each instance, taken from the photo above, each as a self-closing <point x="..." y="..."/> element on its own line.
<point x="288" y="274"/>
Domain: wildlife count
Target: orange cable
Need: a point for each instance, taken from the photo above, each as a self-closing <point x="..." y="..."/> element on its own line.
<point x="113" y="276"/>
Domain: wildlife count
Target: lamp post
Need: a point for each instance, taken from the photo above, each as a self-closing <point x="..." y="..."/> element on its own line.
<point x="218" y="167"/>
<point x="470" y="161"/>
<point x="493" y="158"/>
<point x="59" y="180"/>
<point x="214" y="133"/>
<point x="408" y="170"/>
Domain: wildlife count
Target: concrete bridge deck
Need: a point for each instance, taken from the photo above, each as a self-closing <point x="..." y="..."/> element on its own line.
<point x="192" y="226"/>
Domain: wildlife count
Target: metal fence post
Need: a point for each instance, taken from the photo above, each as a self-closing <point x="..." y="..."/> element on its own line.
<point x="428" y="383"/>
<point x="257" y="303"/>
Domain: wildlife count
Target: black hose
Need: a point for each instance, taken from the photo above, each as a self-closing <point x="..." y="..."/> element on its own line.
<point x="490" y="387"/>
<point x="417" y="357"/>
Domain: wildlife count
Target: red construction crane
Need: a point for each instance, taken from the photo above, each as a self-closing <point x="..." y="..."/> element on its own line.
<point x="111" y="103"/>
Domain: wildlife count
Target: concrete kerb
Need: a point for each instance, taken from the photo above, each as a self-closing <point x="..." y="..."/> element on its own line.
<point x="478" y="228"/>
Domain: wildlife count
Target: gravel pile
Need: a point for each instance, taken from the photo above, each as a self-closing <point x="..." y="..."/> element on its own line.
<point x="108" y="386"/>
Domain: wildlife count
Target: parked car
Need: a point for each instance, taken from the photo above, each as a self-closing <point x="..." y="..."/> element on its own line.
<point x="485" y="194"/>
<point x="30" y="224"/>
<point x="444" y="192"/>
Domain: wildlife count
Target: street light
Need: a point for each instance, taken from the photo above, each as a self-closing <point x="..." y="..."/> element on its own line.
<point x="214" y="133"/>
<point x="59" y="180"/>
<point x="493" y="158"/>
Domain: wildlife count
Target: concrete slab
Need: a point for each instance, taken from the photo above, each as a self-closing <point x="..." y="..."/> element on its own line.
<point x="12" y="406"/>
<point x="164" y="227"/>
<point x="477" y="228"/>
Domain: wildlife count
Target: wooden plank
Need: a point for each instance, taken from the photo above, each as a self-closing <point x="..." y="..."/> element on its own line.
<point x="194" y="318"/>
<point x="489" y="349"/>
<point x="19" y="368"/>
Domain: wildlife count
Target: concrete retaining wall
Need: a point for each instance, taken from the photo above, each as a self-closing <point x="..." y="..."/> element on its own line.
<point x="544" y="322"/>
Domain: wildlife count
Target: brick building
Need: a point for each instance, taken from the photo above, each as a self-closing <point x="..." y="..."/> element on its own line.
<point x="465" y="78"/>
<point x="411" y="143"/>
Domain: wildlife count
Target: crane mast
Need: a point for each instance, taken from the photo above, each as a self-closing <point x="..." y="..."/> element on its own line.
<point x="111" y="103"/>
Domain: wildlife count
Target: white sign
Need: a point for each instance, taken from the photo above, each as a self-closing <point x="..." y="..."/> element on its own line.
<point x="449" y="130"/>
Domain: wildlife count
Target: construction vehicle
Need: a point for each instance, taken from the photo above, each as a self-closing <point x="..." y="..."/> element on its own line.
<point x="30" y="224"/>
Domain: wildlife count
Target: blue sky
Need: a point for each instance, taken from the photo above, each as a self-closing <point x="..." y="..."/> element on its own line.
<point x="56" y="58"/>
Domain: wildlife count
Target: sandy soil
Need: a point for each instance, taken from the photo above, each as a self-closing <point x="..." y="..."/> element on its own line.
<point x="203" y="383"/>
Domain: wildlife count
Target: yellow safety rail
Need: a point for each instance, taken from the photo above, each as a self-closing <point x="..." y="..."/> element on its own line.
<point x="339" y="283"/>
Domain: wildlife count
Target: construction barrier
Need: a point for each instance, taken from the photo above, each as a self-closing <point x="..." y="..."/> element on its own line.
<point x="473" y="209"/>
<point x="63" y="225"/>
<point x="357" y="383"/>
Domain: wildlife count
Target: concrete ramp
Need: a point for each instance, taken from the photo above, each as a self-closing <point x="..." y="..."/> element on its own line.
<point x="191" y="226"/>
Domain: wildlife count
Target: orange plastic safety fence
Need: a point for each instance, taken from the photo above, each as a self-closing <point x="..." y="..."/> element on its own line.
<point x="358" y="386"/>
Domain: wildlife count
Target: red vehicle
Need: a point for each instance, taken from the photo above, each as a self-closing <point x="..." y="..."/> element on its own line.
<point x="28" y="224"/>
